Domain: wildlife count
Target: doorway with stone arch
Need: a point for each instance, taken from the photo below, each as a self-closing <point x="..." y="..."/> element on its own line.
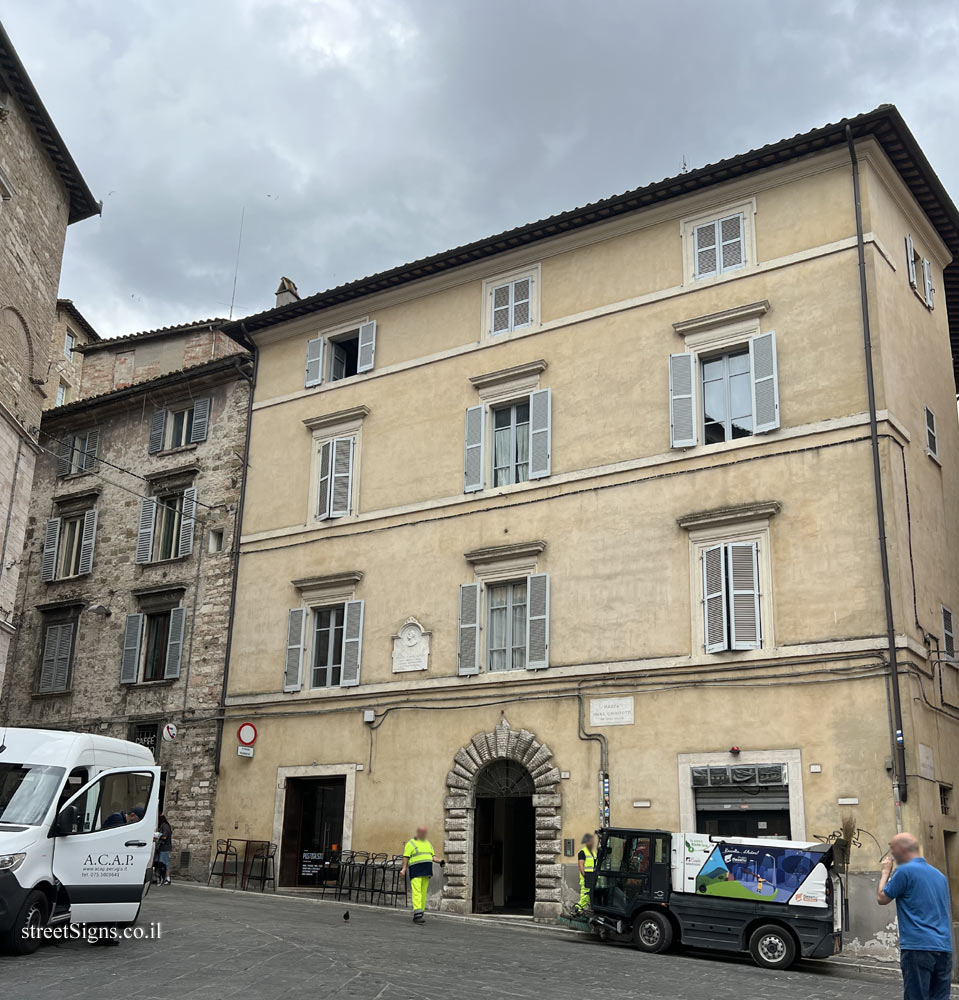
<point x="502" y="817"/>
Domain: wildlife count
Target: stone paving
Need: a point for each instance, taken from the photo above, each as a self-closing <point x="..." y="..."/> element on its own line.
<point x="221" y="945"/>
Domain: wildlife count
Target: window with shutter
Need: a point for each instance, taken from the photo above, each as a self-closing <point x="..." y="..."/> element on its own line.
<point x="314" y="362"/>
<point x="334" y="497"/>
<point x="731" y="596"/>
<point x="467" y="656"/>
<point x="719" y="246"/>
<point x="187" y="521"/>
<point x="65" y="456"/>
<point x="130" y="659"/>
<point x="682" y="400"/>
<point x="325" y="475"/>
<point x="932" y="436"/>
<point x="352" y="643"/>
<point x="56" y="658"/>
<point x="928" y="290"/>
<point x="157" y="431"/>
<point x="78" y="452"/>
<point x="51" y="545"/>
<point x="911" y="262"/>
<point x="201" y="420"/>
<point x="540" y="445"/>
<point x="537" y="632"/>
<point x="295" y="638"/>
<point x="174" y="645"/>
<point x="87" y="542"/>
<point x="948" y="635"/>
<point x="367" y="347"/>
<point x="475" y="451"/>
<point x="765" y="382"/>
<point x="511" y="304"/>
<point x="145" y="528"/>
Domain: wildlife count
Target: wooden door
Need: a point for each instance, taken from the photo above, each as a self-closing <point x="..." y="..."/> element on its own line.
<point x="483" y="851"/>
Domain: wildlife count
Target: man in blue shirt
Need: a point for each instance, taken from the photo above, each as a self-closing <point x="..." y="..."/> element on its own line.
<point x="921" y="893"/>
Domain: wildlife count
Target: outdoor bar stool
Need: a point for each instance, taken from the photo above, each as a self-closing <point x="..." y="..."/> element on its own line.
<point x="263" y="867"/>
<point x="358" y="874"/>
<point x="330" y="874"/>
<point x="393" y="885"/>
<point x="374" y="876"/>
<point x="343" y="875"/>
<point x="225" y="853"/>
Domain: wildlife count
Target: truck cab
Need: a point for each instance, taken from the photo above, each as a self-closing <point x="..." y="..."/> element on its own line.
<point x="78" y="813"/>
<point x="776" y="899"/>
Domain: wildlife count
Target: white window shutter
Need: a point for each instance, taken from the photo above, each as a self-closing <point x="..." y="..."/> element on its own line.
<point x="501" y="308"/>
<point x="367" y="347"/>
<point x="714" y="599"/>
<point x="537" y="621"/>
<point x="201" y="420"/>
<point x="174" y="646"/>
<point x="682" y="400"/>
<point x="88" y="541"/>
<point x="705" y="250"/>
<point x="295" y="641"/>
<point x="65" y="456"/>
<point x="911" y="261"/>
<point x="352" y="643"/>
<point x="522" y="314"/>
<point x="744" y="624"/>
<point x="145" y="526"/>
<point x="948" y="634"/>
<point x="475" y="449"/>
<point x="130" y="661"/>
<point x="314" y="362"/>
<point x="341" y="490"/>
<point x="932" y="435"/>
<point x="325" y="476"/>
<point x="61" y="666"/>
<point x="540" y="418"/>
<point x="928" y="290"/>
<point x="732" y="243"/>
<point x="51" y="547"/>
<point x="51" y="643"/>
<point x="157" y="429"/>
<point x="467" y="656"/>
<point x="764" y="376"/>
<point x="88" y="460"/>
<point x="184" y="545"/>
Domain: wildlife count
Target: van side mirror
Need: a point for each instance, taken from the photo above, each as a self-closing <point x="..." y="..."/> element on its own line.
<point x="65" y="823"/>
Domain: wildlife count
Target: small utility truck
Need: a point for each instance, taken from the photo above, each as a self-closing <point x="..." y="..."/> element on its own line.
<point x="776" y="899"/>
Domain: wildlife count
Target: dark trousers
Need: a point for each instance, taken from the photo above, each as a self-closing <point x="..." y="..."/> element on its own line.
<point x="925" y="974"/>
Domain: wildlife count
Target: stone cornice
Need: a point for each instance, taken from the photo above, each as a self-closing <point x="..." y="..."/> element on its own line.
<point x="527" y="370"/>
<point x="737" y="314"/>
<point x="500" y="553"/>
<point x="332" y="581"/>
<point x="762" y="510"/>
<point x="339" y="417"/>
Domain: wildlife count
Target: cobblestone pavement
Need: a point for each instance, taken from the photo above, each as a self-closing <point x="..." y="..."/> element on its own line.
<point x="222" y="945"/>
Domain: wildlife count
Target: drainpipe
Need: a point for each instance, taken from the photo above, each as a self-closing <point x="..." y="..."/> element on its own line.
<point x="237" y="527"/>
<point x="895" y="727"/>
<point x="603" y="760"/>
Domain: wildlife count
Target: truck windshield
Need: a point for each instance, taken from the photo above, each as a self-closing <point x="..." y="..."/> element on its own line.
<point x="26" y="791"/>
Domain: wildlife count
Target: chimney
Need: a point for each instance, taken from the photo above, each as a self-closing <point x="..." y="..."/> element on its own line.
<point x="286" y="293"/>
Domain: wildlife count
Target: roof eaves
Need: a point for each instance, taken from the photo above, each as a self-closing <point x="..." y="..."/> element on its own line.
<point x="105" y="343"/>
<point x="80" y="320"/>
<point x="82" y="203"/>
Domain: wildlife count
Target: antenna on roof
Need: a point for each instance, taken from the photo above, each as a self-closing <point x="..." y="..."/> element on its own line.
<point x="236" y="269"/>
<point x="685" y="166"/>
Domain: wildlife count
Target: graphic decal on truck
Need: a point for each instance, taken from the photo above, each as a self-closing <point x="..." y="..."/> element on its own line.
<point x="763" y="873"/>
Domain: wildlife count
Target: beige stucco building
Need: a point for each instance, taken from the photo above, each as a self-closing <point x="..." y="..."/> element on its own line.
<point x="596" y="497"/>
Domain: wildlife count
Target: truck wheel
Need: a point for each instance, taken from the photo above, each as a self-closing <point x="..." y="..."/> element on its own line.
<point x="33" y="913"/>
<point x="652" y="932"/>
<point x="772" y="947"/>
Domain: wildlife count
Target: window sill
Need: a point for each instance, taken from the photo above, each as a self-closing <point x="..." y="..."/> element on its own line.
<point x="162" y="682"/>
<point x="67" y="579"/>
<point x="79" y="474"/>
<point x="179" y="450"/>
<point x="934" y="457"/>
<point x="162" y="562"/>
<point x="43" y="695"/>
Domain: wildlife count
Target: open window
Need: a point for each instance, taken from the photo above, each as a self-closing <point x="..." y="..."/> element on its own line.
<point x="333" y="357"/>
<point x="68" y="545"/>
<point x="78" y="452"/>
<point x="180" y="426"/>
<point x="166" y="525"/>
<point x="153" y="644"/>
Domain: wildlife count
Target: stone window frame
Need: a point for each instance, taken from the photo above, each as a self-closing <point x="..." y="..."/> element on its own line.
<point x="58" y="613"/>
<point x="459" y="808"/>
<point x="325" y="428"/>
<point x="791" y="757"/>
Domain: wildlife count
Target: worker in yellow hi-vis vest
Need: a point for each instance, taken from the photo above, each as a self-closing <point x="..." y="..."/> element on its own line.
<point x="418" y="857"/>
<point x="587" y="871"/>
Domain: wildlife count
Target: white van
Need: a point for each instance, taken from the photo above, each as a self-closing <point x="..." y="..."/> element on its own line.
<point x="77" y="819"/>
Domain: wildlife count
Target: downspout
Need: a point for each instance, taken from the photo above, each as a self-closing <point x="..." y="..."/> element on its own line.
<point x="237" y="527"/>
<point x="895" y="734"/>
<point x="603" y="776"/>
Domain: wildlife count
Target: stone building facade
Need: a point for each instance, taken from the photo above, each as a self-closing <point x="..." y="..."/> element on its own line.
<point x="128" y="568"/>
<point x="41" y="193"/>
<point x="71" y="333"/>
<point x="578" y="524"/>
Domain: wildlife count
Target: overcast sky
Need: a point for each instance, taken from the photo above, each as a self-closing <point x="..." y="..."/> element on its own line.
<point x="359" y="135"/>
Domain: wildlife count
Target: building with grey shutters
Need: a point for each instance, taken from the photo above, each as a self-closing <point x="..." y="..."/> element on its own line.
<point x="124" y="595"/>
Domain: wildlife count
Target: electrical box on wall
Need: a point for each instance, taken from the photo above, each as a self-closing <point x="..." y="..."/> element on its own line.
<point x="569" y="847"/>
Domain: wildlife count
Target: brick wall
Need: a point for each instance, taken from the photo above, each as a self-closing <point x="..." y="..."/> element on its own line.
<point x="96" y="701"/>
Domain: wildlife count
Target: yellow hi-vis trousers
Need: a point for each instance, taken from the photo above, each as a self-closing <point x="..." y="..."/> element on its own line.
<point x="418" y="887"/>
<point x="583" y="893"/>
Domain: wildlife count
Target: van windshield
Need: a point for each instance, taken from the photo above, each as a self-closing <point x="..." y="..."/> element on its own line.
<point x="26" y="791"/>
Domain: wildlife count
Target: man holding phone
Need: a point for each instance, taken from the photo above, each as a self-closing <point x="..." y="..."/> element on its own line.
<point x="921" y="893"/>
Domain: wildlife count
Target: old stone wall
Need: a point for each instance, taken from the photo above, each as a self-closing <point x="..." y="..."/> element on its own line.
<point x="200" y="583"/>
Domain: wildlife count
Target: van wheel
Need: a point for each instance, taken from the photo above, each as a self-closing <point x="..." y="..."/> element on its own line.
<point x="772" y="947"/>
<point x="652" y="932"/>
<point x="33" y="914"/>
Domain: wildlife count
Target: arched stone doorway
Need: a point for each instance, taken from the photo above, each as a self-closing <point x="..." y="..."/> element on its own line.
<point x="473" y="778"/>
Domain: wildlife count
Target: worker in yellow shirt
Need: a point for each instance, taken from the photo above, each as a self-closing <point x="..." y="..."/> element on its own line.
<point x="587" y="871"/>
<point x="418" y="857"/>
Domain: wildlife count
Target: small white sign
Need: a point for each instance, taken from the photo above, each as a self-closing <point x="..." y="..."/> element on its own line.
<point x="244" y="751"/>
<point x="927" y="762"/>
<point x="169" y="732"/>
<point x="411" y="647"/>
<point x="611" y="712"/>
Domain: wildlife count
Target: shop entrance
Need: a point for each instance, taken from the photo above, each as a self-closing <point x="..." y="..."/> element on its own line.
<point x="504" y="840"/>
<point x="742" y="800"/>
<point x="312" y="828"/>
